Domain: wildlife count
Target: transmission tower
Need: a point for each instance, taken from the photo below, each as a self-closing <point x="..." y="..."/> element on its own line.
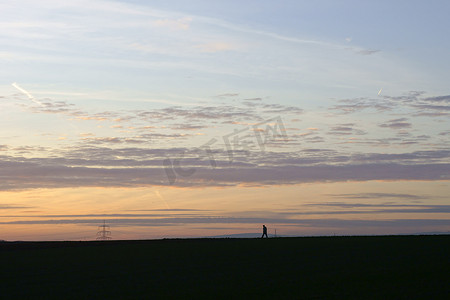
<point x="103" y="232"/>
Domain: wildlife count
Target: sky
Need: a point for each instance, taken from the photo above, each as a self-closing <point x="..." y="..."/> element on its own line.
<point x="203" y="118"/>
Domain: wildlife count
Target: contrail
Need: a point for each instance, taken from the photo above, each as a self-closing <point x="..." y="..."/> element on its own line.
<point x="379" y="92"/>
<point x="26" y="93"/>
<point x="162" y="198"/>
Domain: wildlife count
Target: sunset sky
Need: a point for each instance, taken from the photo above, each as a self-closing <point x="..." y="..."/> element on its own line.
<point x="204" y="118"/>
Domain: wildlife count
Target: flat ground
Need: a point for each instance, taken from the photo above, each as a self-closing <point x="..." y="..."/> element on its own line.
<point x="382" y="267"/>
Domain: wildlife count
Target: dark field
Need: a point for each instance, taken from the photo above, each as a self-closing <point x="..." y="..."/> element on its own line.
<point x="394" y="267"/>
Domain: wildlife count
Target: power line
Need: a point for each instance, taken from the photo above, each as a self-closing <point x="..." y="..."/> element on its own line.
<point x="103" y="232"/>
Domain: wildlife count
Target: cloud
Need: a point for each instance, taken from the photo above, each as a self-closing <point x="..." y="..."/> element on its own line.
<point x="378" y="196"/>
<point x="104" y="167"/>
<point x="445" y="98"/>
<point x="216" y="47"/>
<point x="104" y="140"/>
<point x="163" y="213"/>
<point x="198" y="113"/>
<point x="13" y="206"/>
<point x="121" y="159"/>
<point x="432" y="114"/>
<point x="227" y="95"/>
<point x="377" y="208"/>
<point x="178" y="24"/>
<point x="407" y="157"/>
<point x="172" y="210"/>
<point x="359" y="104"/>
<point x="141" y="139"/>
<point x="317" y="223"/>
<point x="304" y="135"/>
<point x="345" y="129"/>
<point x="342" y="129"/>
<point x="367" y="51"/>
<point x="396" y="124"/>
<point x="315" y="139"/>
<point x="187" y="127"/>
<point x="226" y="114"/>
<point x="279" y="109"/>
<point x="49" y="106"/>
<point x="414" y="101"/>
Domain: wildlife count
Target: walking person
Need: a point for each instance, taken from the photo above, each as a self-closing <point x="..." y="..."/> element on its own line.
<point x="264" y="232"/>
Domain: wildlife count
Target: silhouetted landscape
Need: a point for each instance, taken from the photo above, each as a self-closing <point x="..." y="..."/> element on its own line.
<point x="358" y="267"/>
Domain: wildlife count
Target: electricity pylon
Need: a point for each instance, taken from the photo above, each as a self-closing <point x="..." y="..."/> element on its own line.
<point x="103" y="232"/>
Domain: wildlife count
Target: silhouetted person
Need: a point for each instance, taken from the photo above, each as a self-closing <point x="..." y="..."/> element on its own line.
<point x="264" y="232"/>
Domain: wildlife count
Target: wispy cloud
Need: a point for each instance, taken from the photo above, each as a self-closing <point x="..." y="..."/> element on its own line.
<point x="216" y="47"/>
<point x="366" y="51"/>
<point x="226" y="95"/>
<point x="378" y="196"/>
<point x="396" y="124"/>
<point x="317" y="223"/>
<point x="345" y="129"/>
<point x="144" y="167"/>
<point x="445" y="98"/>
<point x="414" y="102"/>
<point x="13" y="206"/>
<point x="178" y="24"/>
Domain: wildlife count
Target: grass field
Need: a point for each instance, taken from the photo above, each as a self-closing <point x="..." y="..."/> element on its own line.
<point x="381" y="267"/>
